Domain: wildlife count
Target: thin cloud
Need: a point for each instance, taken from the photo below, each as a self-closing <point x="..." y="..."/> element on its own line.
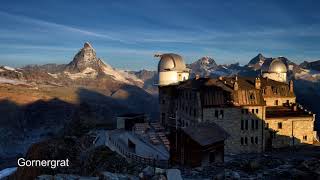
<point x="62" y="27"/>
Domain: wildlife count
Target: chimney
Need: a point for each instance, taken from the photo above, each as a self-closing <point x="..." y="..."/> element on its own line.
<point x="294" y="107"/>
<point x="235" y="86"/>
<point x="197" y="76"/>
<point x="291" y="86"/>
<point x="258" y="83"/>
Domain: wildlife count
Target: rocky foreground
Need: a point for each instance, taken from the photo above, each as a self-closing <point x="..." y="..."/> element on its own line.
<point x="94" y="161"/>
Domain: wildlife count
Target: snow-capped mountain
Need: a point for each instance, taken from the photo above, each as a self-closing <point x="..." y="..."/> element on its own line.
<point x="84" y="67"/>
<point x="203" y="66"/>
<point x="85" y="64"/>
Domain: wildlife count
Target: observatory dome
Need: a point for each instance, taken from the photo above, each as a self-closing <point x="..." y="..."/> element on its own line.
<point x="274" y="66"/>
<point x="171" y="62"/>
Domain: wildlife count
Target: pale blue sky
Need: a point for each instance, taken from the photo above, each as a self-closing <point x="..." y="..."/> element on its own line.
<point x="126" y="34"/>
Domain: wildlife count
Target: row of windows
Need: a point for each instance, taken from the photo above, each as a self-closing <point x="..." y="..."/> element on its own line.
<point x="188" y="95"/>
<point x="190" y="111"/>
<point x="276" y="102"/>
<point x="245" y="124"/>
<point x="244" y="140"/>
<point x="279" y="125"/>
<point x="246" y="111"/>
<point x="219" y="114"/>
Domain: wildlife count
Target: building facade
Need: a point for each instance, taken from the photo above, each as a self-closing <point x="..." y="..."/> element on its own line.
<point x="250" y="110"/>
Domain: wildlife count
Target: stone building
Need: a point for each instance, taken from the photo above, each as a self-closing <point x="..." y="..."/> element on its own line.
<point x="258" y="113"/>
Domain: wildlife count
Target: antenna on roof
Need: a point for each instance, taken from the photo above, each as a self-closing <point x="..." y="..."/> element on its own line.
<point x="157" y="55"/>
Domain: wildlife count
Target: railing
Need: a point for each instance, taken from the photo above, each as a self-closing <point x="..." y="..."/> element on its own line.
<point x="139" y="159"/>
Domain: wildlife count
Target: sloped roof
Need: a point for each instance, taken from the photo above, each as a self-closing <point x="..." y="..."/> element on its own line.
<point x="206" y="133"/>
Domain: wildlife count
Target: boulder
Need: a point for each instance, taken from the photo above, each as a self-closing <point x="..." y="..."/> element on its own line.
<point x="173" y="174"/>
<point x="66" y="177"/>
<point x="113" y="176"/>
<point x="45" y="177"/>
<point x="148" y="172"/>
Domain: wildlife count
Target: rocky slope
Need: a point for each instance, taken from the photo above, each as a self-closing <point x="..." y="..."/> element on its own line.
<point x="314" y="65"/>
<point x="256" y="62"/>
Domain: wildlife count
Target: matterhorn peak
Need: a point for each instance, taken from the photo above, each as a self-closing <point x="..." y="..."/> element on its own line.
<point x="87" y="45"/>
<point x="85" y="58"/>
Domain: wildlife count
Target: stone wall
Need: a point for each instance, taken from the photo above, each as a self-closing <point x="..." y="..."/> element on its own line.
<point x="188" y="108"/>
<point x="270" y="101"/>
<point x="292" y="131"/>
<point x="240" y="124"/>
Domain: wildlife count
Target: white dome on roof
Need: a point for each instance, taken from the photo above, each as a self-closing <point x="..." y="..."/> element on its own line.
<point x="274" y="66"/>
<point x="171" y="62"/>
<point x="274" y="69"/>
<point x="172" y="69"/>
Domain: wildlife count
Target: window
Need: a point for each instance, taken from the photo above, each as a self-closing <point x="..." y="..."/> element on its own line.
<point x="247" y="111"/>
<point x="276" y="102"/>
<point x="252" y="124"/>
<point x="257" y="111"/>
<point x="241" y="140"/>
<point x="221" y="114"/>
<point x="252" y="96"/>
<point x="163" y="117"/>
<point x="252" y="141"/>
<point x="216" y="113"/>
<point x="245" y="140"/>
<point x="194" y="112"/>
<point x="163" y="101"/>
<point x="247" y="122"/>
<point x="256" y="140"/>
<point x="257" y="124"/>
<point x="305" y="138"/>
<point x="274" y="135"/>
<point x="267" y="126"/>
<point x="252" y="111"/>
<point x="242" y="124"/>
<point x="280" y="125"/>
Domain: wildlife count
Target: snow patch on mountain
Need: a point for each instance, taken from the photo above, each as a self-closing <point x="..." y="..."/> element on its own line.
<point x="53" y="75"/>
<point x="12" y="81"/>
<point x="86" y="73"/>
<point x="120" y="75"/>
<point x="309" y="75"/>
<point x="9" y="68"/>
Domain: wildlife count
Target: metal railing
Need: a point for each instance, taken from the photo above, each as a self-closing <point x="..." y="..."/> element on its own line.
<point x="139" y="159"/>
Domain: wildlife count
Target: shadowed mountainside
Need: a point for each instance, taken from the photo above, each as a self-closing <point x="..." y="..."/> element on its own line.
<point x="24" y="123"/>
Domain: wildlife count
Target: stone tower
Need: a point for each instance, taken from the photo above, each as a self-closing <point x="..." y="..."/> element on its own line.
<point x="171" y="70"/>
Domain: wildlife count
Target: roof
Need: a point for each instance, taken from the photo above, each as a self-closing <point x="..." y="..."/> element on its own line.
<point x="206" y="134"/>
<point x="227" y="83"/>
<point x="131" y="115"/>
<point x="283" y="111"/>
<point x="222" y="91"/>
<point x="171" y="62"/>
